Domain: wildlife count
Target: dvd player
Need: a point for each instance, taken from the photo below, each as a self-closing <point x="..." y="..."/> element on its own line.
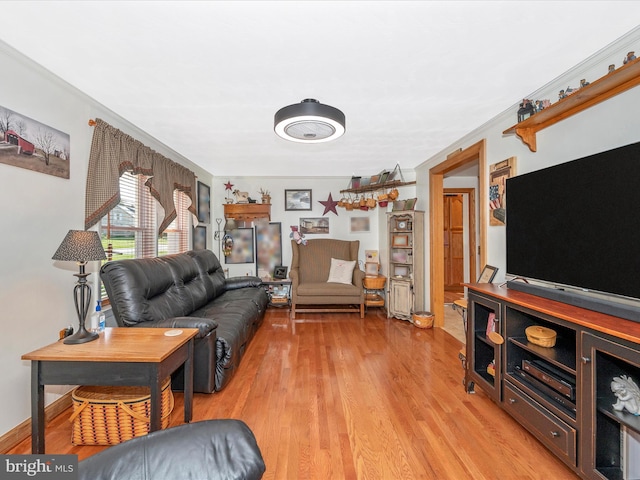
<point x="551" y="376"/>
<point x="526" y="379"/>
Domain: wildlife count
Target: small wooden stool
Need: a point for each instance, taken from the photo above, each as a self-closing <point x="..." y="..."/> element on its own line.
<point x="460" y="306"/>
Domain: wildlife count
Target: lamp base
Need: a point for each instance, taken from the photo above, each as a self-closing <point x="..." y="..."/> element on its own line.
<point x="81" y="336"/>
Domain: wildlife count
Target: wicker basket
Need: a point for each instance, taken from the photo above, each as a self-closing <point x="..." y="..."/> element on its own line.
<point x="422" y="319"/>
<point x="374" y="283"/>
<point x="111" y="415"/>
<point x="542" y="336"/>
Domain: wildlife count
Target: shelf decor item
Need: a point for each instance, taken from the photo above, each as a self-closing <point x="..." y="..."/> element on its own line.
<point x="542" y="336"/>
<point x="81" y="247"/>
<point x="400" y="241"/>
<point x="627" y="393"/>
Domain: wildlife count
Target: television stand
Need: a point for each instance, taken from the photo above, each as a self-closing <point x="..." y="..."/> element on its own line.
<point x="560" y="393"/>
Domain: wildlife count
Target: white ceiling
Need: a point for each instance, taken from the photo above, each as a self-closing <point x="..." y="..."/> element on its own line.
<point x="206" y="77"/>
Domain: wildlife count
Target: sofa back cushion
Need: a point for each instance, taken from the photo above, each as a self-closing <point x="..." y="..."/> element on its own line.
<point x="210" y="272"/>
<point x="313" y="260"/>
<point x="152" y="289"/>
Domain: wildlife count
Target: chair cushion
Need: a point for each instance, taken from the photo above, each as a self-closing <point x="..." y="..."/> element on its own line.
<point x="341" y="271"/>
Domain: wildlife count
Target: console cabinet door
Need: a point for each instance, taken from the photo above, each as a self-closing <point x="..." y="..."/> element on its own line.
<point x="483" y="356"/>
<point x="611" y="449"/>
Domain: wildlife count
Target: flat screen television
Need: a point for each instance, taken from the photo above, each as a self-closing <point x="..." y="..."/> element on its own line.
<point x="575" y="228"/>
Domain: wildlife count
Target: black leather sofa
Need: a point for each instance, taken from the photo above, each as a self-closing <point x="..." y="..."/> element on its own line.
<point x="189" y="290"/>
<point x="208" y="450"/>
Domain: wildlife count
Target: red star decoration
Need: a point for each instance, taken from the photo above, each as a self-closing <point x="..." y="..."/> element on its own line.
<point x="329" y="205"/>
<point x="228" y="185"/>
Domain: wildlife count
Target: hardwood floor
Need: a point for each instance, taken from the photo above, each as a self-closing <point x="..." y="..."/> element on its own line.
<point x="339" y="397"/>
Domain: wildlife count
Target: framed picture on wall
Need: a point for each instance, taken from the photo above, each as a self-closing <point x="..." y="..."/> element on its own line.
<point x="204" y="203"/>
<point x="498" y="175"/>
<point x="359" y="225"/>
<point x="314" y="225"/>
<point x="297" y="200"/>
<point x="268" y="247"/>
<point x="242" y="250"/>
<point x="199" y="238"/>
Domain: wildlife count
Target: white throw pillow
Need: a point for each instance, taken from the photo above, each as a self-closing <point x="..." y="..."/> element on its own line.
<point x="341" y="271"/>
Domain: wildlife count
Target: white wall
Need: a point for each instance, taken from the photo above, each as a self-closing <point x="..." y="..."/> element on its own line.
<point x="36" y="211"/>
<point x="607" y="125"/>
<point x="339" y="225"/>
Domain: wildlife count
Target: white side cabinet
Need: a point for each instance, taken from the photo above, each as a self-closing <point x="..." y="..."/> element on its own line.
<point x="405" y="231"/>
<point x="400" y="298"/>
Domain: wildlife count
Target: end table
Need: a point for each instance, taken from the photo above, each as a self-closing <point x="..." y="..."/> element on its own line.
<point x="279" y="292"/>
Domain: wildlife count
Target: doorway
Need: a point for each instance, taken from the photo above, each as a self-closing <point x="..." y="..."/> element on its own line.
<point x="473" y="154"/>
<point x="460" y="259"/>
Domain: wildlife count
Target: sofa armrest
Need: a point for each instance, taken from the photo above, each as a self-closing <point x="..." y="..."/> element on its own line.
<point x="204" y="325"/>
<point x="210" y="449"/>
<point x="358" y="277"/>
<point x="234" y="283"/>
<point x="294" y="275"/>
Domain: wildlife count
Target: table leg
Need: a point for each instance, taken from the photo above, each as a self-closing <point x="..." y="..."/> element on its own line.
<point x="37" y="410"/>
<point x="156" y="410"/>
<point x="188" y="383"/>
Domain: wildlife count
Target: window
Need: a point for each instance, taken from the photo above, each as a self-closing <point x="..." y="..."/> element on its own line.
<point x="130" y="230"/>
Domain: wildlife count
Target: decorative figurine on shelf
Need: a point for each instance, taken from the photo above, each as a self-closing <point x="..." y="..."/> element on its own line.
<point x="566" y="92"/>
<point x="526" y="110"/>
<point x="583" y="83"/>
<point x="630" y="57"/>
<point x="628" y="394"/>
<point x="297" y="236"/>
<point x="542" y="104"/>
<point x="241" y="197"/>
<point x="266" y="195"/>
<point x="612" y="68"/>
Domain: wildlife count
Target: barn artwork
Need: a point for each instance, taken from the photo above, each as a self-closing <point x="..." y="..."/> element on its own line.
<point x="29" y="144"/>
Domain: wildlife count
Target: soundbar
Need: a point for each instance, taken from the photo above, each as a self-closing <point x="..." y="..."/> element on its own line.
<point x="577" y="299"/>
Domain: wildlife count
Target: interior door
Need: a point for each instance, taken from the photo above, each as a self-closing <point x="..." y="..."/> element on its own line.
<point x="453" y="242"/>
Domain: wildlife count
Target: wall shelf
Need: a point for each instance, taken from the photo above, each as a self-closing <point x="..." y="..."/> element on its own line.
<point x="620" y="80"/>
<point x="380" y="186"/>
<point x="247" y="211"/>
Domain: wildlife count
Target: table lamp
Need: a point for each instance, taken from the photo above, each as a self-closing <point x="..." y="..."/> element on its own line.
<point x="81" y="247"/>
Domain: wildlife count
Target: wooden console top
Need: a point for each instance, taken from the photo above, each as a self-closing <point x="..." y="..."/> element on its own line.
<point x="608" y="324"/>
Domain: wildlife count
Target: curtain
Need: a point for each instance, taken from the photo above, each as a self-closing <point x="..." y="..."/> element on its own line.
<point x="113" y="153"/>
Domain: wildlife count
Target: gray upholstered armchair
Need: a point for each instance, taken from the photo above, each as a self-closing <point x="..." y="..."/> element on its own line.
<point x="310" y="267"/>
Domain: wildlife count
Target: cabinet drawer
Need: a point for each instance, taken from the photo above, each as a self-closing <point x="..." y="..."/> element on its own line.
<point x="559" y="437"/>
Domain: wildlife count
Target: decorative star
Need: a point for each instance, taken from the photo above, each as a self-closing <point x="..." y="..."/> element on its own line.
<point x="228" y="185"/>
<point x="329" y="205"/>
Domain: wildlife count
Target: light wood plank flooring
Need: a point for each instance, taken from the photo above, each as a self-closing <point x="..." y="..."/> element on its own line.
<point x="339" y="397"/>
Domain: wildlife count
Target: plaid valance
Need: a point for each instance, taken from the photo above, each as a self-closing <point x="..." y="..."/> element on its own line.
<point x="113" y="153"/>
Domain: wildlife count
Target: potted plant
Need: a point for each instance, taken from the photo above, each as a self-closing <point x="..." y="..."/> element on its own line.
<point x="266" y="195"/>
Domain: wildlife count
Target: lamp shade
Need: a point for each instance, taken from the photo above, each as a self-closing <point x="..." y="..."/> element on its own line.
<point x="80" y="246"/>
<point x="309" y="122"/>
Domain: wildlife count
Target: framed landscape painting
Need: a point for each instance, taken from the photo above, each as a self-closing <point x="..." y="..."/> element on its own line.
<point x="33" y="145"/>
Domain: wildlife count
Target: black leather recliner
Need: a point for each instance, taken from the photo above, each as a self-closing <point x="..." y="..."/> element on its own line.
<point x="189" y="290"/>
<point x="208" y="450"/>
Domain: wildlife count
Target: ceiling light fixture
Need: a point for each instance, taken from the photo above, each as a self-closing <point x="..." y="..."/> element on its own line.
<point x="309" y="122"/>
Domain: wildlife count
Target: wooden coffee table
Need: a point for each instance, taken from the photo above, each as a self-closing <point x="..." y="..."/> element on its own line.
<point x="120" y="357"/>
